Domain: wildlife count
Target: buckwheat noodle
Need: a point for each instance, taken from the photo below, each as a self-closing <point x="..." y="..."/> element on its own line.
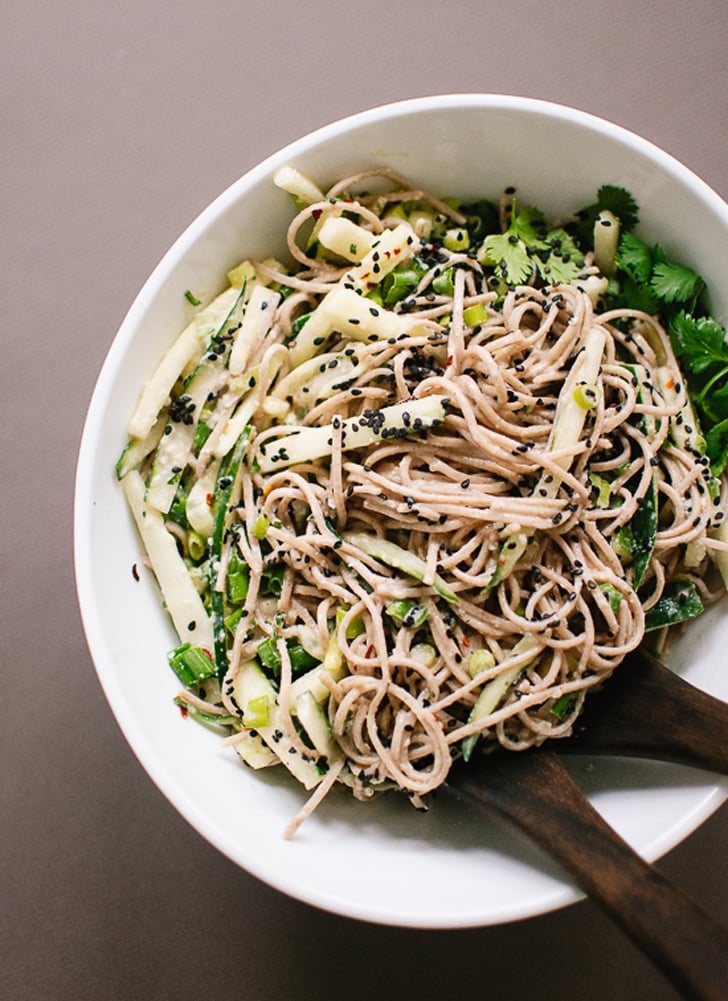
<point x="454" y="495"/>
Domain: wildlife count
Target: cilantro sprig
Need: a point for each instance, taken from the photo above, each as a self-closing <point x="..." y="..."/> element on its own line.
<point x="650" y="280"/>
<point x="528" y="246"/>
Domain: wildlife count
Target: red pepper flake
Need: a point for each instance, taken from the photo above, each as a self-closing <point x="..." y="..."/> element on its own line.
<point x="366" y="275"/>
<point x="370" y="651"/>
<point x="183" y="712"/>
<point x="208" y="500"/>
<point x="449" y="359"/>
<point x="397" y="250"/>
<point x="316" y="213"/>
<point x="466" y="641"/>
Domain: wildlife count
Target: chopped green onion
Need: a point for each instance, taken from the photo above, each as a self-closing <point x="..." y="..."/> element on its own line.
<point x="190" y="297"/>
<point x="562" y="706"/>
<point x="257" y="712"/>
<point x="398" y="284"/>
<point x="260" y="527"/>
<point x="191" y="664"/>
<point x="456" y="239"/>
<point x="479" y="661"/>
<point x="196" y="546"/>
<point x="443" y="284"/>
<point x="407" y="612"/>
<point x="238" y="579"/>
<point x="473" y="315"/>
<point x="586" y="395"/>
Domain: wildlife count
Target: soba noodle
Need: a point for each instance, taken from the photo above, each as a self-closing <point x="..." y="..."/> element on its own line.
<point x="523" y="594"/>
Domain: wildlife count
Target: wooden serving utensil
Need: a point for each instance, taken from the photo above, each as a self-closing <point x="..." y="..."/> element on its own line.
<point x="644" y="710"/>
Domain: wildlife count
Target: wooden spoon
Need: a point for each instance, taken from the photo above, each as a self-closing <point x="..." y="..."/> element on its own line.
<point x="649" y="713"/>
<point x="646" y="710"/>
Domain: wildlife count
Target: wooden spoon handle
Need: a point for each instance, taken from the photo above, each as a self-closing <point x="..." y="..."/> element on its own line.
<point x="534" y="790"/>
<point x="646" y="710"/>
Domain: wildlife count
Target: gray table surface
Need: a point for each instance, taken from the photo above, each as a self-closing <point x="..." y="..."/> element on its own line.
<point x="119" y="123"/>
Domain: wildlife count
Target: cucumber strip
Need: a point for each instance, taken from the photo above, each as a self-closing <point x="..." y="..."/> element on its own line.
<point x="137" y="449"/>
<point x="678" y="602"/>
<point x="178" y="590"/>
<point x="337" y="366"/>
<point x="408" y="417"/>
<point x="223" y="491"/>
<point x="259" y="315"/>
<point x="198" y="509"/>
<point x="316" y="723"/>
<point x="176" y="445"/>
<point x="684" y="426"/>
<point x="345" y="238"/>
<point x="606" y="242"/>
<point x="643" y="525"/>
<point x="391" y="248"/>
<point x="332" y="665"/>
<point x="568" y="426"/>
<point x="254" y="751"/>
<point x="189" y="346"/>
<point x="235" y="426"/>
<point x="347" y="312"/>
<point x="494" y="691"/>
<point x="249" y="684"/>
<point x="720" y="555"/>
<point x="398" y="558"/>
<point x="298" y="184"/>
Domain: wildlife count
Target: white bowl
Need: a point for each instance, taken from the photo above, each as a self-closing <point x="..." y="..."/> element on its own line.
<point x="381" y="861"/>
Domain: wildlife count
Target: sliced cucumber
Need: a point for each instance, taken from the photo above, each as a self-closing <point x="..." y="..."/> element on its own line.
<point x="398" y="558"/>
<point x="188" y="347"/>
<point x="315" y="722"/>
<point x="259" y="315"/>
<point x="250" y="684"/>
<point x="178" y="590"/>
<point x="345" y="238"/>
<point x="494" y="691"/>
<point x="400" y="419"/>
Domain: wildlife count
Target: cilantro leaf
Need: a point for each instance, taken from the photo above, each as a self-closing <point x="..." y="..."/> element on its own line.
<point x="674" y="282"/>
<point x="635" y="257"/>
<point x="527" y="224"/>
<point x="716" y="447"/>
<point x="619" y="201"/>
<point x="508" y="256"/>
<point x="525" y="245"/>
<point x="699" y="343"/>
<point x="562" y="263"/>
<point x="610" y="198"/>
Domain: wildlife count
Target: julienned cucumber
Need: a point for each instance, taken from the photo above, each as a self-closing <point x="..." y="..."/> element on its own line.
<point x="398" y="558"/>
<point x="308" y="443"/>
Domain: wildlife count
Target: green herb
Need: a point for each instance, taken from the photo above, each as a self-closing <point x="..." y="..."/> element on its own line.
<point x="610" y="198"/>
<point x="190" y="297"/>
<point x="527" y="244"/>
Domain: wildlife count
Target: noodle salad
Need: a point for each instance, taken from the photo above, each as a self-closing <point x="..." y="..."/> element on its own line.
<point x="413" y="495"/>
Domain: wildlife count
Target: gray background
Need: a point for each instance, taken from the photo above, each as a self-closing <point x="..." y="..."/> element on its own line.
<point x="120" y="121"/>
